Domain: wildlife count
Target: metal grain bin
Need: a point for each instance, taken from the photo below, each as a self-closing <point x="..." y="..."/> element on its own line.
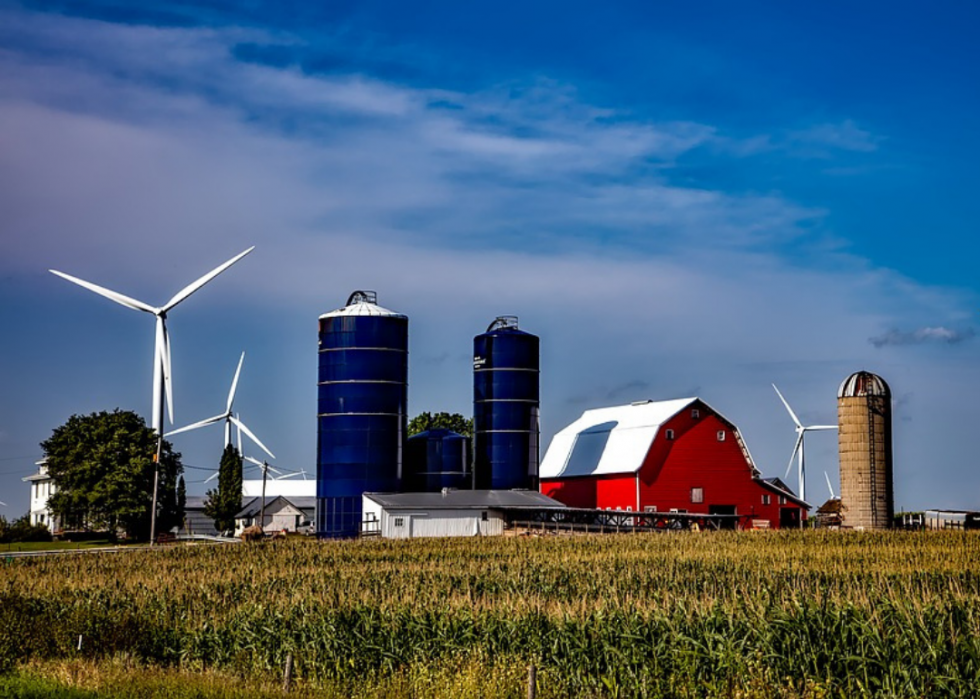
<point x="506" y="404"/>
<point x="437" y="459"/>
<point x="362" y="397"/>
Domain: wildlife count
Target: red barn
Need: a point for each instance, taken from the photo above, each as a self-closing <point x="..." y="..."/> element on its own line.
<point x="659" y="456"/>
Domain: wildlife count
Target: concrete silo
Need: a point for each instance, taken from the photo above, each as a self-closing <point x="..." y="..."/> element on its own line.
<point x="362" y="396"/>
<point x="864" y="413"/>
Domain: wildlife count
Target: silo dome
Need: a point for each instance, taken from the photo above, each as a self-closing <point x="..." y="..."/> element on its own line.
<point x="863" y="383"/>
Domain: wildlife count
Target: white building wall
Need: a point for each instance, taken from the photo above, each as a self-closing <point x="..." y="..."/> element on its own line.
<point x="436" y="523"/>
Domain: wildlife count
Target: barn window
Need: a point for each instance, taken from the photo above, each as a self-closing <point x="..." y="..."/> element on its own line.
<point x="697" y="494"/>
<point x="721" y="435"/>
<point x="483" y="516"/>
<point x="399" y="521"/>
<point x="669" y="435"/>
<point x="649" y="508"/>
<point x="695" y="413"/>
<point x="782" y="499"/>
<point x="766" y="500"/>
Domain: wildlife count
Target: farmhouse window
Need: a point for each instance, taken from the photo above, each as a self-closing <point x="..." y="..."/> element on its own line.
<point x="399" y="522"/>
<point x="697" y="494"/>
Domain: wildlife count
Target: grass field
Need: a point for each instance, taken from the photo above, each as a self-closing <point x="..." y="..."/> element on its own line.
<point x="800" y="614"/>
<point x="54" y="545"/>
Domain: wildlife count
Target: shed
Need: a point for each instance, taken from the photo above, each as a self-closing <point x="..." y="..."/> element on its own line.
<point x="281" y="513"/>
<point x="447" y="513"/>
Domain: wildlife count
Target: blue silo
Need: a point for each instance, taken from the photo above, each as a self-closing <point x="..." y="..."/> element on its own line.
<point x="437" y="459"/>
<point x="506" y="402"/>
<point x="362" y="397"/>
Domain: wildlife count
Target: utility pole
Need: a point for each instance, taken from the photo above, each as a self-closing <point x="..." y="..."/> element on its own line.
<point x="156" y="482"/>
<point x="265" y="472"/>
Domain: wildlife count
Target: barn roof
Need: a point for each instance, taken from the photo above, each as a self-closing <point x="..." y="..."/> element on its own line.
<point x="608" y="440"/>
<point x="463" y="500"/>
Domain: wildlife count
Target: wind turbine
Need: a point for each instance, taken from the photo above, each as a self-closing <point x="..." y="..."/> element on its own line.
<point x="829" y="486"/>
<point x="801" y="430"/>
<point x="162" y="379"/>
<point x="228" y="417"/>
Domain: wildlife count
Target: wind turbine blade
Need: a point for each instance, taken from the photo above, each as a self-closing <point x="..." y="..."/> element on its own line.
<point x="164" y="338"/>
<point x="239" y="434"/>
<point x="211" y="477"/>
<point x="234" y="384"/>
<point x="108" y="293"/>
<point x="202" y="423"/>
<point x="796" y="448"/>
<point x="194" y="286"/>
<point x="248" y="433"/>
<point x="253" y="460"/>
<point x="820" y="427"/>
<point x="829" y="486"/>
<point x="789" y="409"/>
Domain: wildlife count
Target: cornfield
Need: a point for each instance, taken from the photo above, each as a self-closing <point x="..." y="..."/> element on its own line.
<point x="798" y="614"/>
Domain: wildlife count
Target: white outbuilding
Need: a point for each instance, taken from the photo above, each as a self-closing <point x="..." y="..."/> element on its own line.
<point x="447" y="513"/>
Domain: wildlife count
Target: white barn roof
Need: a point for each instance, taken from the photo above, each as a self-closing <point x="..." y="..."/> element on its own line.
<point x="608" y="440"/>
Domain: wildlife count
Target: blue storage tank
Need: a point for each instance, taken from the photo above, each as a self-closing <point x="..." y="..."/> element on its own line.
<point x="362" y="397"/>
<point x="437" y="459"/>
<point x="506" y="403"/>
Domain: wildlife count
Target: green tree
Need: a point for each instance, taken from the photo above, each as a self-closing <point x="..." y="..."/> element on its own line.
<point x="224" y="503"/>
<point x="102" y="467"/>
<point x="447" y="421"/>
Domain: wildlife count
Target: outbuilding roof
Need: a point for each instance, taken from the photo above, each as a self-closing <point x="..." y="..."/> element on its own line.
<point x="254" y="506"/>
<point x="463" y="500"/>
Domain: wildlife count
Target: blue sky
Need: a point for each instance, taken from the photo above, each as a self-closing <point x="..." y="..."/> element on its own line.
<point x="695" y="199"/>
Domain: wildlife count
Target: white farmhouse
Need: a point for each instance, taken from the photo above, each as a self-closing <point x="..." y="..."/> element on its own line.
<point x="42" y="487"/>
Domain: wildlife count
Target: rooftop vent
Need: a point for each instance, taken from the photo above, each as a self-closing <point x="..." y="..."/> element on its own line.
<point x="360" y="296"/>
<point x="502" y="322"/>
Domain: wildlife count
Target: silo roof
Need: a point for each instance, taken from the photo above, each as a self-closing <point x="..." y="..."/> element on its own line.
<point x="863" y="383"/>
<point x="363" y="309"/>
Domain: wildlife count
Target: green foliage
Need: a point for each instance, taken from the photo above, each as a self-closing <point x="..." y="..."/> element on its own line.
<point x="447" y="421"/>
<point x="225" y="502"/>
<point x="798" y="614"/>
<point x="102" y="466"/>
<point x="22" y="530"/>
